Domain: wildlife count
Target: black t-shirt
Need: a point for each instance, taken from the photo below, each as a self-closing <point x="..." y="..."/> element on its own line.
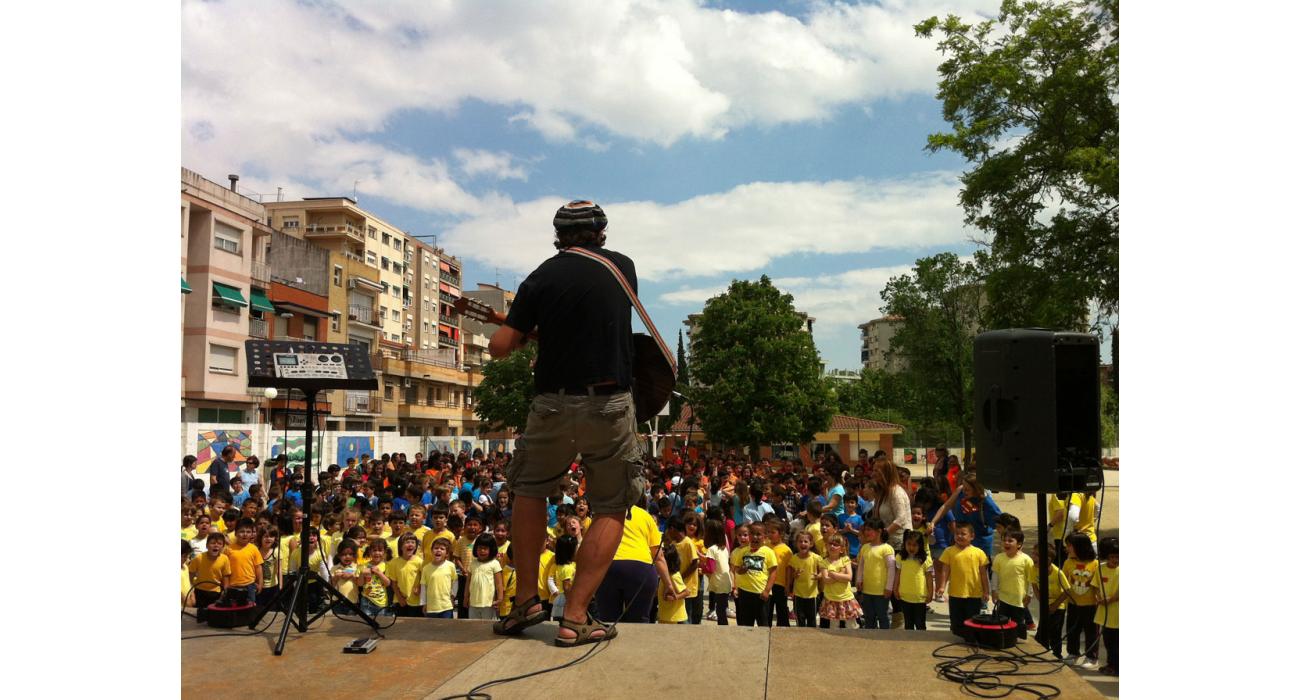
<point x="583" y="320"/>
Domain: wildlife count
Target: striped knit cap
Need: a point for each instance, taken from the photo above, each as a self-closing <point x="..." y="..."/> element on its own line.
<point x="580" y="213"/>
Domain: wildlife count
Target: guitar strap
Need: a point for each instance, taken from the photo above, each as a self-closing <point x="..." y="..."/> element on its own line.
<point x="631" y="296"/>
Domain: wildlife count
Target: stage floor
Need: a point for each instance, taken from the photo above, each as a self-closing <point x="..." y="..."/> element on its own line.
<point x="435" y="658"/>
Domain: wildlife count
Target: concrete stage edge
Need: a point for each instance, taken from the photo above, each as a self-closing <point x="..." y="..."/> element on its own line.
<point x="436" y="658"/>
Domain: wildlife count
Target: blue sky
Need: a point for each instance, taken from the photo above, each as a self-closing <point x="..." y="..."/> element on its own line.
<point x="725" y="140"/>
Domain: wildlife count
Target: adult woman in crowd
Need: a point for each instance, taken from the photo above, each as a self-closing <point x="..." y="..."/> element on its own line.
<point x="630" y="583"/>
<point x="892" y="506"/>
<point x="972" y="504"/>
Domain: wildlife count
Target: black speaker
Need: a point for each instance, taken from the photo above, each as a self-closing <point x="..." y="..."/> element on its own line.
<point x="1037" y="411"/>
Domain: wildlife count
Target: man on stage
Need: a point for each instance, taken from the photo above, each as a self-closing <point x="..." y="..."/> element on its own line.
<point x="583" y="375"/>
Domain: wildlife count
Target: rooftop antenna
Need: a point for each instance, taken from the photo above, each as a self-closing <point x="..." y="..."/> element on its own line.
<point x="279" y="194"/>
<point x="354" y="189"/>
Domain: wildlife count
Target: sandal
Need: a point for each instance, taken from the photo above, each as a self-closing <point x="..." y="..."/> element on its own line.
<point x="584" y="632"/>
<point x="518" y="620"/>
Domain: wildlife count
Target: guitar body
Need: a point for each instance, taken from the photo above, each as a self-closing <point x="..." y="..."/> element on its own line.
<point x="653" y="379"/>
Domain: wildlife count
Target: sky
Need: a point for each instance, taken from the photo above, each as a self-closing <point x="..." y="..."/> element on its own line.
<point x="724" y="140"/>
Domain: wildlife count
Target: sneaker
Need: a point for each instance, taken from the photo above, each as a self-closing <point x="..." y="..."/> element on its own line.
<point x="713" y="616"/>
<point x="1088" y="664"/>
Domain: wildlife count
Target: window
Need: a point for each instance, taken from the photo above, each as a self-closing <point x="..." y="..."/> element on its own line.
<point x="397" y="316"/>
<point x="309" y="327"/>
<point x="290" y="222"/>
<point x="383" y="312"/>
<point x="385" y="263"/>
<point x="371" y="259"/>
<point x="281" y="327"/>
<point x="334" y="324"/>
<point x="222" y="358"/>
<point x="388" y="392"/>
<point x="226" y="237"/>
<point x="370" y="230"/>
<point x="385" y="285"/>
<point x="220" y="415"/>
<point x="386" y="238"/>
<point x="338" y="276"/>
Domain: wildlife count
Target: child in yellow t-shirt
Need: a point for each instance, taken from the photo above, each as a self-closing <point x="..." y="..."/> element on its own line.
<point x="751" y="565"/>
<point x="694" y="535"/>
<point x="1107" y="617"/>
<point x="836" y="579"/>
<point x="1080" y="571"/>
<point x="966" y="570"/>
<point x="510" y="579"/>
<point x="545" y="575"/>
<point x="209" y="574"/>
<point x="778" y="608"/>
<point x="672" y="606"/>
<point x="1012" y="570"/>
<point x="877" y="573"/>
<point x="187" y="592"/>
<point x="802" y="577"/>
<point x="344" y="575"/>
<point x="814" y="527"/>
<point x="438" y="581"/>
<point x="915" y="579"/>
<point x="1050" y="630"/>
<point x="562" y="571"/>
<point x="374" y="579"/>
<point x="245" y="562"/>
<point x="404" y="571"/>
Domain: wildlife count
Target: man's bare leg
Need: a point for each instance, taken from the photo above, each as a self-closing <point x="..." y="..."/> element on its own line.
<point x="527" y="537"/>
<point x="594" y="558"/>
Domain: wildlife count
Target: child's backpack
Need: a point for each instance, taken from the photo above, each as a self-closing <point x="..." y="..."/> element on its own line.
<point x="708" y="565"/>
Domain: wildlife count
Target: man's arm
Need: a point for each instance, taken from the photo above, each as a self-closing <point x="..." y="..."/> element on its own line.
<point x="505" y="341"/>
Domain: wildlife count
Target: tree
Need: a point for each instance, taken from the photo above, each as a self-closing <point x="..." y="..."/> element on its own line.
<point x="757" y="373"/>
<point x="502" y="399"/>
<point x="939" y="304"/>
<point x="1033" y="103"/>
<point x="683" y="382"/>
<point x="876" y="394"/>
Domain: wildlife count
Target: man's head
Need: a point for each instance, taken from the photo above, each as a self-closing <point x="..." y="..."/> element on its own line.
<point x="579" y="222"/>
<point x="188" y="462"/>
<point x="228" y="453"/>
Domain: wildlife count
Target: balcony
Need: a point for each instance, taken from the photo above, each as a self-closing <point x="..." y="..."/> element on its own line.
<point x="261" y="271"/>
<point x="344" y="230"/>
<point x="450" y="279"/>
<point x="447" y="319"/>
<point x="257" y="328"/>
<point x="446" y="297"/>
<point x="364" y="314"/>
<point x="431" y="410"/>
<point x="367" y="403"/>
<point x="445" y="358"/>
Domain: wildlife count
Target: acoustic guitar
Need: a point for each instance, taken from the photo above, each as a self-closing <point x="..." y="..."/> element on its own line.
<point x="653" y="374"/>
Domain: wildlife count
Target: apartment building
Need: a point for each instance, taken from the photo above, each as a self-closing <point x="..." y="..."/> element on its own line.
<point x="877" y="337"/>
<point x="225" y="286"/>
<point x="477" y="333"/>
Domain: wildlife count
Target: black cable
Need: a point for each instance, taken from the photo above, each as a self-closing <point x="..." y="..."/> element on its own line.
<point x="476" y="693"/>
<point x="219" y="634"/>
<point x="981" y="672"/>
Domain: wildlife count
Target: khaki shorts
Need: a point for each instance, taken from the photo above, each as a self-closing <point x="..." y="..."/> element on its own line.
<point x="600" y="428"/>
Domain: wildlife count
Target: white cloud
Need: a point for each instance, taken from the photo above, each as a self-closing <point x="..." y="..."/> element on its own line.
<point x="497" y="164"/>
<point x="739" y="230"/>
<point x="281" y="90"/>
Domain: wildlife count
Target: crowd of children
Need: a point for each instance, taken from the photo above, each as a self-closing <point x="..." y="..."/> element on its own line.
<point x="779" y="542"/>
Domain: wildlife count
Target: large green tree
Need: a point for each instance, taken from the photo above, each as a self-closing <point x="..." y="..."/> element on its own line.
<point x="502" y="399"/>
<point x="939" y="303"/>
<point x="757" y="373"/>
<point x="1032" y="98"/>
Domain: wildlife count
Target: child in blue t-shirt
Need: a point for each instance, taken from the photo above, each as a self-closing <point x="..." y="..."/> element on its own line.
<point x="850" y="525"/>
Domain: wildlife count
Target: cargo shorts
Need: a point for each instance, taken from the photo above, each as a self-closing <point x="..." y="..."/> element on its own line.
<point x="600" y="428"/>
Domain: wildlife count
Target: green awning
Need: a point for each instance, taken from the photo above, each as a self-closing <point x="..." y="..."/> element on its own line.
<point x="260" y="302"/>
<point x="227" y="294"/>
<point x="185" y="286"/>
